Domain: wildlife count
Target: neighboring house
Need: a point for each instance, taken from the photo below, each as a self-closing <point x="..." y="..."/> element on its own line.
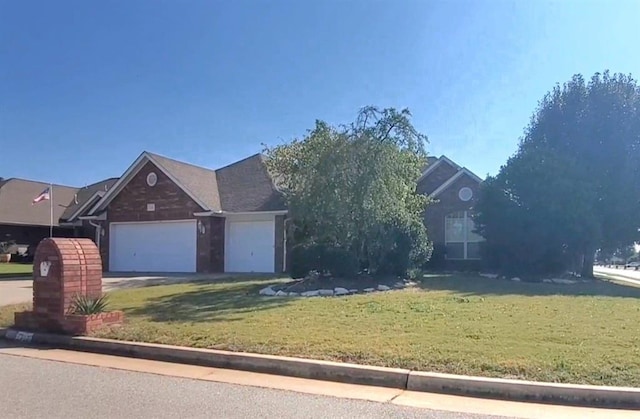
<point x="27" y="224"/>
<point x="164" y="215"/>
<point x="454" y="190"/>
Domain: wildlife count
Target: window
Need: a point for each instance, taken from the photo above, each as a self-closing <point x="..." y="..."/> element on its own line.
<point x="459" y="239"/>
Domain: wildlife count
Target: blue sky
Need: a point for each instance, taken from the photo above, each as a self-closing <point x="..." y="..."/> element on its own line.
<point x="85" y="86"/>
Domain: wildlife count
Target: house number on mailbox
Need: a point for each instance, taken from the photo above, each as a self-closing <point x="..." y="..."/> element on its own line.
<point x="44" y="268"/>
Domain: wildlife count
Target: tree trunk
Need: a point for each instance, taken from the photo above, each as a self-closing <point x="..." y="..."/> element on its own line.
<point x="587" y="265"/>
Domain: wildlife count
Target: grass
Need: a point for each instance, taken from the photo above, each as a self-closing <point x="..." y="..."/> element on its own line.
<point x="15" y="268"/>
<point x="584" y="333"/>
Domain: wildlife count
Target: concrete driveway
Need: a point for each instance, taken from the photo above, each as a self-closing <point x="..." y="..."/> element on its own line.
<point x="21" y="291"/>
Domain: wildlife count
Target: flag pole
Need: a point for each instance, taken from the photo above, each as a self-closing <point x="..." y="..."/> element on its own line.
<point x="51" y="210"/>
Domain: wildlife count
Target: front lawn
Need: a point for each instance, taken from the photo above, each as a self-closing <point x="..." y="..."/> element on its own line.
<point x="15" y="268"/>
<point x="583" y="333"/>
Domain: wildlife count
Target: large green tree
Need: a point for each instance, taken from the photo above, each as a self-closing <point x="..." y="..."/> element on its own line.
<point x="573" y="185"/>
<point x="353" y="187"/>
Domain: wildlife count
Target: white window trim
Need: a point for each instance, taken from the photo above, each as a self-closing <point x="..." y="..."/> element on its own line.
<point x="465" y="243"/>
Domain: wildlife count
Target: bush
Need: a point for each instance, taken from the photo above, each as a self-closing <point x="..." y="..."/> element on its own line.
<point x="87" y="306"/>
<point x="322" y="258"/>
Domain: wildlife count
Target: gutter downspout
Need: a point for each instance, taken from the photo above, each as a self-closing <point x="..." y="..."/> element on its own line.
<point x="98" y="231"/>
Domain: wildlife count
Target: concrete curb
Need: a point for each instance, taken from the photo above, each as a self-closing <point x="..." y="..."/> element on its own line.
<point x="496" y="388"/>
<point x="529" y="391"/>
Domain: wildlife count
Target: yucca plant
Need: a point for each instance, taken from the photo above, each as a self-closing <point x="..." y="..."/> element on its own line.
<point x="83" y="304"/>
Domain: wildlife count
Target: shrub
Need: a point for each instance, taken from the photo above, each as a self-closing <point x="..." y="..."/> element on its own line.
<point x="86" y="305"/>
<point x="322" y="258"/>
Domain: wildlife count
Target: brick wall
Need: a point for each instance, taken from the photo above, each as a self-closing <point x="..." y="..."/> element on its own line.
<point x="171" y="203"/>
<point x="279" y="244"/>
<point x="211" y="244"/>
<point x="447" y="203"/>
<point x="440" y="174"/>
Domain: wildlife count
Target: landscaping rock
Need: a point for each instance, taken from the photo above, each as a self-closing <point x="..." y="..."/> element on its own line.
<point x="313" y="293"/>
<point x="340" y="291"/>
<point x="369" y="289"/>
<point x="325" y="293"/>
<point x="383" y="288"/>
<point x="516" y="279"/>
<point x="399" y="285"/>
<point x="563" y="281"/>
<point x="353" y="291"/>
<point x="267" y="291"/>
<point x="281" y="294"/>
<point x="293" y="294"/>
<point x="491" y="276"/>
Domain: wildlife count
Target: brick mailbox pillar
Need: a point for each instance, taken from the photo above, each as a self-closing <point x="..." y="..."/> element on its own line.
<point x="62" y="270"/>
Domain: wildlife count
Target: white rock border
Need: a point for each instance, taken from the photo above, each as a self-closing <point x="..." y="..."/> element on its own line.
<point x="336" y="292"/>
<point x="559" y="281"/>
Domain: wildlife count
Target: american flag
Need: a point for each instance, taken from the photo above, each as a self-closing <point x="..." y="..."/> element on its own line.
<point x="44" y="196"/>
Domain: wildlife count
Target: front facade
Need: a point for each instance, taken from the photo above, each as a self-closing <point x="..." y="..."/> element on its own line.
<point x="168" y="216"/>
<point x="454" y="191"/>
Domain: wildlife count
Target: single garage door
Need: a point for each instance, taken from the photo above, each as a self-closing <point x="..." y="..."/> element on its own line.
<point x="153" y="247"/>
<point x="250" y="246"/>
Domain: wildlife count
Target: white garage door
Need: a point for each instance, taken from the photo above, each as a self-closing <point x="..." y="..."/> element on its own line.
<point x="153" y="247"/>
<point x="250" y="246"/>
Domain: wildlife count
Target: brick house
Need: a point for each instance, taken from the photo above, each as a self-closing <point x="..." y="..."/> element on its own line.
<point x="28" y="224"/>
<point x="164" y="215"/>
<point x="448" y="219"/>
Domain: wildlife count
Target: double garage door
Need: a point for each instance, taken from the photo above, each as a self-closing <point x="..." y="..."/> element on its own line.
<point x="172" y="246"/>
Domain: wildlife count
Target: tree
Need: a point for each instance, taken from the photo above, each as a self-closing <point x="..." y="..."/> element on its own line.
<point x="571" y="188"/>
<point x="353" y="187"/>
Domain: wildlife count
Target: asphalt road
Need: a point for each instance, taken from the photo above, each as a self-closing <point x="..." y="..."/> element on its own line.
<point x="34" y="388"/>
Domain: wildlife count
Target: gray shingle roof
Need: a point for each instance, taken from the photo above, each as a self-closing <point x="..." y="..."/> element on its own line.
<point x="86" y="193"/>
<point x="246" y="186"/>
<point x="201" y="182"/>
<point x="16" y="196"/>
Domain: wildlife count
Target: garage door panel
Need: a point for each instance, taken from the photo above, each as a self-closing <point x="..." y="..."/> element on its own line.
<point x="153" y="247"/>
<point x="250" y="246"/>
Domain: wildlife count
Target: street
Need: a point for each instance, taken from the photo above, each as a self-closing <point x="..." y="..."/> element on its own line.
<point x="34" y="388"/>
<point x="629" y="276"/>
<point x="37" y="382"/>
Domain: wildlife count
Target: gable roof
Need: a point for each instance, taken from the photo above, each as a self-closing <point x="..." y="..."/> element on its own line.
<point x="244" y="186"/>
<point x="247" y="186"/>
<point x="433" y="163"/>
<point x="201" y="182"/>
<point x="85" y="197"/>
<point x="16" y="197"/>
<point x="462" y="172"/>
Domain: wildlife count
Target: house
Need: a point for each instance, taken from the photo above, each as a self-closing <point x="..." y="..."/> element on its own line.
<point x="163" y="215"/>
<point x="27" y="224"/>
<point x="454" y="191"/>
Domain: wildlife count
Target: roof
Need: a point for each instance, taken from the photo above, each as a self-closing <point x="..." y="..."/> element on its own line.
<point x="16" y="197"/>
<point x="246" y="186"/>
<point x="433" y="163"/>
<point x="86" y="196"/>
<point x="199" y="181"/>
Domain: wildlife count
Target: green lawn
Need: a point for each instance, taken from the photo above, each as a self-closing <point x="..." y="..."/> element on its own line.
<point x="583" y="333"/>
<point x="15" y="268"/>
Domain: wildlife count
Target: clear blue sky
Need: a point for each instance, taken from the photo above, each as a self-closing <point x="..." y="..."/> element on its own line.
<point x="85" y="86"/>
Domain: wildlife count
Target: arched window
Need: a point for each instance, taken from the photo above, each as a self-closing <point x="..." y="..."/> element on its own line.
<point x="459" y="239"/>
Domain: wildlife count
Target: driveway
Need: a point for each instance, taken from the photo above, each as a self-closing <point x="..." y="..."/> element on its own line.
<point x="21" y="291"/>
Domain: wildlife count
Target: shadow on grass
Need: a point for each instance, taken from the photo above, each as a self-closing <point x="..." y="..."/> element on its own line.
<point x="477" y="285"/>
<point x="138" y="280"/>
<point x="225" y="300"/>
